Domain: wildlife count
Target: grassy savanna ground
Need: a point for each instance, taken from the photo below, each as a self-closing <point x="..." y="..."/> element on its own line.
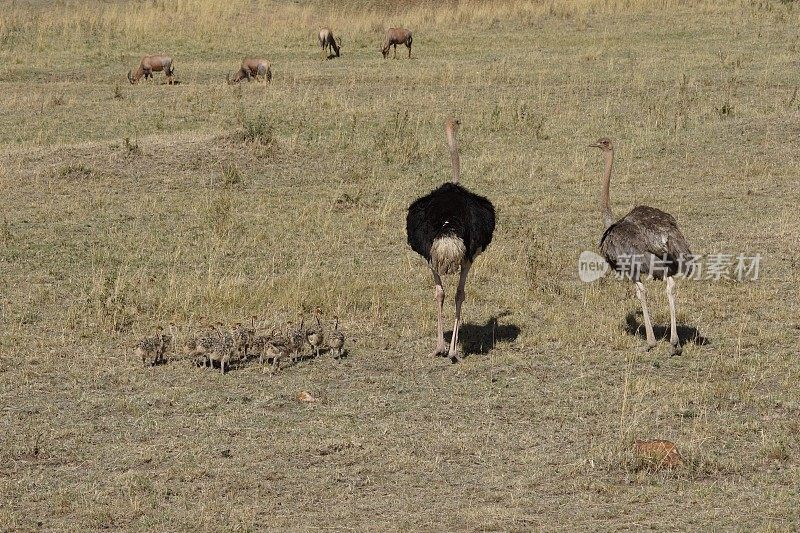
<point x="127" y="207"/>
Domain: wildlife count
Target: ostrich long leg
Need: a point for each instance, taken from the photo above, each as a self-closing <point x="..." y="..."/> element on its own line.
<point x="673" y="327"/>
<point x="648" y="326"/>
<point x="441" y="347"/>
<point x="460" y="295"/>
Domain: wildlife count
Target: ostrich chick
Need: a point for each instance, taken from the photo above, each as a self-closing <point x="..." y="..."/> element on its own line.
<point x="297" y="339"/>
<point x="151" y="349"/>
<point x="276" y="348"/>
<point x="197" y="348"/>
<point x="244" y="337"/>
<point x="336" y="339"/>
<point x="315" y="336"/>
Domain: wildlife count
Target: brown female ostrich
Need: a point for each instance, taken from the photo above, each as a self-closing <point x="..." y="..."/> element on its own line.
<point x="450" y="227"/>
<point x="644" y="242"/>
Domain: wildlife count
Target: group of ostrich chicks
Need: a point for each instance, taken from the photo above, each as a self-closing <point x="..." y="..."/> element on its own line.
<point x="219" y="346"/>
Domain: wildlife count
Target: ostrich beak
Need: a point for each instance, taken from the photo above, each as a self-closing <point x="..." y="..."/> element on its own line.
<point x="594" y="145"/>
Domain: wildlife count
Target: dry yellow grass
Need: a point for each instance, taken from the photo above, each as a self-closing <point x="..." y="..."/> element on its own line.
<point x="124" y="207"/>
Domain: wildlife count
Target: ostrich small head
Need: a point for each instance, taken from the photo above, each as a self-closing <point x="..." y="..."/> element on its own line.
<point x="604" y="143"/>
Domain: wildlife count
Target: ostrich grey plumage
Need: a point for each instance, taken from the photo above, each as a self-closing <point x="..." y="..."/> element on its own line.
<point x="644" y="242"/>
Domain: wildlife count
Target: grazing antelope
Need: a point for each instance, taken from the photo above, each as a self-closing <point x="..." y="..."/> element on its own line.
<point x="252" y="68"/>
<point x="328" y="43"/>
<point x="395" y="36"/>
<point x="150" y="64"/>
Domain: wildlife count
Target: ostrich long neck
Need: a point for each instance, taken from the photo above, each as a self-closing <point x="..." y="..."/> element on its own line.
<point x="605" y="200"/>
<point x="451" y="141"/>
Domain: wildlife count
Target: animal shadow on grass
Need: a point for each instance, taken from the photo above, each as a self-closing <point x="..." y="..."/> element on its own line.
<point x="686" y="334"/>
<point x="481" y="339"/>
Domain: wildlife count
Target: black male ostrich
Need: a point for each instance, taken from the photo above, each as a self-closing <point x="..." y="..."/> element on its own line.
<point x="450" y="227"/>
<point x="644" y="242"/>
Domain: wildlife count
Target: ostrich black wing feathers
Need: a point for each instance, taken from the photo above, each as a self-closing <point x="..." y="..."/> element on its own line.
<point x="450" y="210"/>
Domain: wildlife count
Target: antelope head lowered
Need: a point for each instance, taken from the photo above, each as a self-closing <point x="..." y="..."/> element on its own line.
<point x="150" y="64"/>
<point x="252" y="68"/>
<point x="395" y="36"/>
<point x="329" y="43"/>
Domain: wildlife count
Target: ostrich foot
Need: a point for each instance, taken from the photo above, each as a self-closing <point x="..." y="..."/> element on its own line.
<point x="647" y="347"/>
<point x="677" y="349"/>
<point x="440" y="351"/>
<point x="455" y="357"/>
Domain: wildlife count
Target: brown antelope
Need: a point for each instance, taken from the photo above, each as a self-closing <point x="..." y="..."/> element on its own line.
<point x="150" y="64"/>
<point x="328" y="43"/>
<point x="395" y="36"/>
<point x="252" y="68"/>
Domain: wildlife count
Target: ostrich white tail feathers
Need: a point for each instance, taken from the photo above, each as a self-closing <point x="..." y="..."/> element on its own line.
<point x="447" y="254"/>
